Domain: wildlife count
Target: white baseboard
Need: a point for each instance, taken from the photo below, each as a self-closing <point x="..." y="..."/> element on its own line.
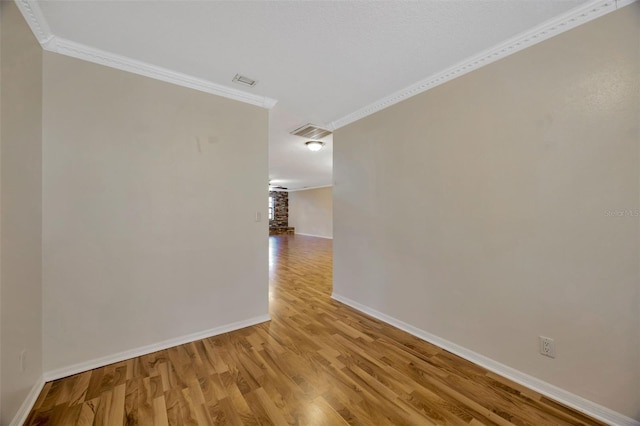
<point x="623" y="3"/>
<point x="313" y="235"/>
<point x="309" y="188"/>
<point x="564" y="397"/>
<point x="23" y="412"/>
<point x="144" y="350"/>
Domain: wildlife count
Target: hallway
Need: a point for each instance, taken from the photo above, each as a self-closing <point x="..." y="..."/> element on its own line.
<point x="317" y="362"/>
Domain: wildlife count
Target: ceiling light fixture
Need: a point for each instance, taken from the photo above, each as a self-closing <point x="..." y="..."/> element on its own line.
<point x="314" y="145"/>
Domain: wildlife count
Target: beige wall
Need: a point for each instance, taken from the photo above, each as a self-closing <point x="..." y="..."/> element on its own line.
<point x="150" y="196"/>
<point x="480" y="211"/>
<point x="311" y="212"/>
<point x="21" y="214"/>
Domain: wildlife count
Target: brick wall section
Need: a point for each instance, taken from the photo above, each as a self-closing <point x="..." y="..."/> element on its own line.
<point x="281" y="207"/>
<point x="282" y="231"/>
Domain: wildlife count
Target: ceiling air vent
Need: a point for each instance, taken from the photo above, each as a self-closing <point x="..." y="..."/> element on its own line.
<point x="309" y="131"/>
<point x="241" y="79"/>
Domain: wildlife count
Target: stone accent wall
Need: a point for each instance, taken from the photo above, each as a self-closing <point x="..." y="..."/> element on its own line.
<point x="282" y="231"/>
<point x="281" y="207"/>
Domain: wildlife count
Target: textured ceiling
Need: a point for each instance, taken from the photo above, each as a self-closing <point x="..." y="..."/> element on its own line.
<point x="322" y="60"/>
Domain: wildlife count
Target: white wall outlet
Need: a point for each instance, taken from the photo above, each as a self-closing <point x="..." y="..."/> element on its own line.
<point x="258" y="217"/>
<point x="23" y="360"/>
<point x="547" y="346"/>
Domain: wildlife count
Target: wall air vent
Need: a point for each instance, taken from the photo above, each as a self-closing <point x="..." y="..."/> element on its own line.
<point x="309" y="131"/>
<point x="246" y="81"/>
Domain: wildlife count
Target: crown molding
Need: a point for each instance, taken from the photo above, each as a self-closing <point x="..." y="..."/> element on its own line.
<point x="34" y="17"/>
<point x="112" y="60"/>
<point x="578" y="16"/>
<point x="553" y="27"/>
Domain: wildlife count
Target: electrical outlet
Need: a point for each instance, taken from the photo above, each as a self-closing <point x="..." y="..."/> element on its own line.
<point x="23" y="360"/>
<point x="547" y="346"/>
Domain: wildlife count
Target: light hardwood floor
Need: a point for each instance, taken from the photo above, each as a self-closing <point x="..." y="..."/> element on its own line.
<point x="317" y="362"/>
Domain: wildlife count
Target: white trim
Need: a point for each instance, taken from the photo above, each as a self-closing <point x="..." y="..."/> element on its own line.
<point x="623" y="3"/>
<point x="314" y="235"/>
<point x="23" y="412"/>
<point x="91" y="54"/>
<point x="553" y="27"/>
<point x="575" y="17"/>
<point x="309" y="188"/>
<point x="144" y="350"/>
<point x="567" y="398"/>
<point x="34" y="17"/>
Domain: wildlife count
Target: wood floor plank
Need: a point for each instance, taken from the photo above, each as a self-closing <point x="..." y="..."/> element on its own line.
<point x="160" y="412"/>
<point x="273" y="413"/>
<point x="69" y="415"/>
<point x="80" y="387"/>
<point x="174" y="409"/>
<point x="43" y="395"/>
<point x="317" y="362"/>
<point x="187" y="407"/>
<point x="131" y="401"/>
<point x="88" y="412"/>
<point x="65" y="390"/>
<point x="103" y="408"/>
<point x="116" y="411"/>
<point x="145" y="401"/>
<point x="50" y="399"/>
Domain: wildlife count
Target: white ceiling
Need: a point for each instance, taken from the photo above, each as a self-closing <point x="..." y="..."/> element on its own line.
<point x="322" y="60"/>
